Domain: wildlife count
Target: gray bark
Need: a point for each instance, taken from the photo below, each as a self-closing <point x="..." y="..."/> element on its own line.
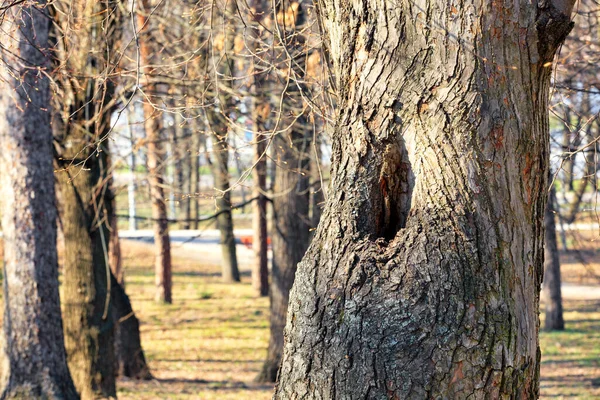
<point x="34" y="358"/>
<point x="423" y="278"/>
<point x="551" y="288"/>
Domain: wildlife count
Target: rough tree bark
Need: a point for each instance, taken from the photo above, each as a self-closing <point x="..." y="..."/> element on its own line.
<point x="153" y="126"/>
<point x="423" y="278"/>
<point x="551" y="288"/>
<point x="83" y="33"/>
<point x="219" y="127"/>
<point x="34" y="358"/>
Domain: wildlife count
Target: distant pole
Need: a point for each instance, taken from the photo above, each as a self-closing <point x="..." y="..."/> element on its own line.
<point x="131" y="185"/>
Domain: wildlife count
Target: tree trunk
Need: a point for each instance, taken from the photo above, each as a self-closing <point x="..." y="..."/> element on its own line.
<point x="128" y="345"/>
<point x="230" y="272"/>
<point x="551" y="288"/>
<point x="89" y="328"/>
<point x="290" y="235"/>
<point x="34" y="357"/>
<point x="261" y="111"/>
<point x="152" y="125"/>
<point x="195" y="179"/>
<point x="219" y="127"/>
<point x="81" y="126"/>
<point x="260" y="267"/>
<point x="423" y="278"/>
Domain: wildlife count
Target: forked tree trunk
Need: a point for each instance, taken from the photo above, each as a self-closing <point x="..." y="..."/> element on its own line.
<point x="551" y="288"/>
<point x="153" y="125"/>
<point x="34" y="358"/>
<point x="423" y="278"/>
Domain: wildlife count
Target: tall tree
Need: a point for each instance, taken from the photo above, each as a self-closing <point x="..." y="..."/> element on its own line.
<point x="35" y="364"/>
<point x="261" y="110"/>
<point x="218" y="121"/>
<point x="423" y="278"/>
<point x="551" y="289"/>
<point x="154" y="155"/>
<point x="291" y="193"/>
<point x="86" y="34"/>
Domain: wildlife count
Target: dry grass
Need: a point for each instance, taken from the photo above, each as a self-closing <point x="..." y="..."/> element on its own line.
<point x="209" y="344"/>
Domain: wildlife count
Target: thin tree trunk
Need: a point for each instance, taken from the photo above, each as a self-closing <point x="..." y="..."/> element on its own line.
<point x="261" y="111"/>
<point x="551" y="288"/>
<point x="423" y="278"/>
<point x="152" y="125"/>
<point x="218" y="125"/>
<point x="34" y="357"/>
<point x="260" y="268"/>
<point x="195" y="179"/>
<point x="131" y="185"/>
<point x="230" y="271"/>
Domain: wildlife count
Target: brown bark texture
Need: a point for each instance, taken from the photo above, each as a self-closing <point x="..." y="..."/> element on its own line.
<point x="154" y="155"/>
<point x="84" y="32"/>
<point x="423" y="278"/>
<point x="551" y="289"/>
<point x="34" y="362"/>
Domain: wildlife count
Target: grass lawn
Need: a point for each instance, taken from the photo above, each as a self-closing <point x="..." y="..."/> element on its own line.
<point x="210" y="343"/>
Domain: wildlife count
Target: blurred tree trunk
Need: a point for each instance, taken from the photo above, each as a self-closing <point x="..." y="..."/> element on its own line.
<point x="261" y="111"/>
<point x="551" y="289"/>
<point x="196" y="137"/>
<point x="153" y="127"/>
<point x="128" y="346"/>
<point x="423" y="278"/>
<point x="34" y="357"/>
<point x="219" y="126"/>
<point x="291" y="192"/>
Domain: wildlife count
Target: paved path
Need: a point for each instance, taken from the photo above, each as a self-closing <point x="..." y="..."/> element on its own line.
<point x="200" y="245"/>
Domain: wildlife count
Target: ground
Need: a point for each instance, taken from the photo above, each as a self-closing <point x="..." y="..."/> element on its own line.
<point x="210" y="343"/>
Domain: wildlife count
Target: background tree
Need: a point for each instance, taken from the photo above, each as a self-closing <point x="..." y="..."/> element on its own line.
<point x="291" y="193"/>
<point x="423" y="277"/>
<point x="35" y="364"/>
<point x="153" y="126"/>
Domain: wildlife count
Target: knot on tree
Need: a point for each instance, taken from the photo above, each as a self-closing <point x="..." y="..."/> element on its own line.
<point x="553" y="24"/>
